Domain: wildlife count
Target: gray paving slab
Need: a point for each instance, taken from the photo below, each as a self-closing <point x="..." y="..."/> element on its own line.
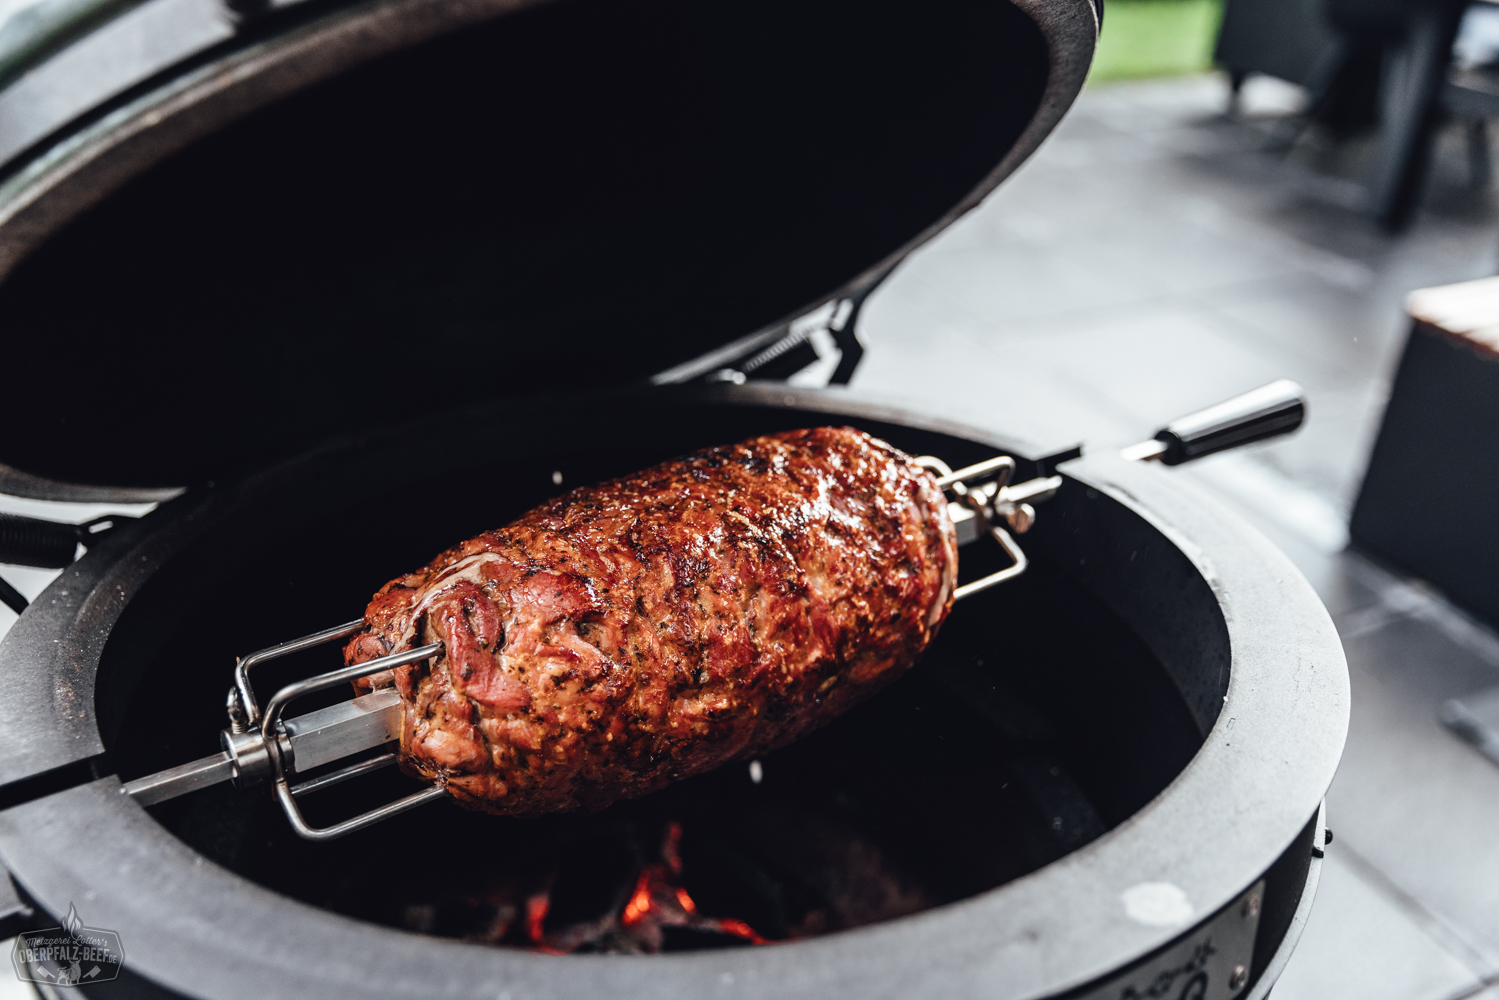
<point x="969" y="384"/>
<point x="1016" y="280"/>
<point x="1148" y="365"/>
<point x="1419" y="804"/>
<point x="1350" y="330"/>
<point x="1359" y="945"/>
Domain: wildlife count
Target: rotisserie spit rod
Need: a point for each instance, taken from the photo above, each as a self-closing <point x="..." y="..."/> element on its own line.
<point x="310" y="741"/>
<point x="262" y="746"/>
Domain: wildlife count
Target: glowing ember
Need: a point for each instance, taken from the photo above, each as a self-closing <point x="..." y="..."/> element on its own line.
<point x="657" y="907"/>
<point x="536" y="914"/>
<point x="640" y="902"/>
<point x="739" y="928"/>
<point x="626" y="892"/>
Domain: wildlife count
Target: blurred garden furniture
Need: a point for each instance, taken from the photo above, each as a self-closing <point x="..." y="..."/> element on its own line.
<point x="1440" y="435"/>
<point x="1472" y="89"/>
<point x="1383" y="62"/>
<point x="1427" y="500"/>
<point x="1287" y="39"/>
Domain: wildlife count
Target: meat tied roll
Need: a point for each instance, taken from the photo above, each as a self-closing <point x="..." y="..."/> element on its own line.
<point x="626" y="635"/>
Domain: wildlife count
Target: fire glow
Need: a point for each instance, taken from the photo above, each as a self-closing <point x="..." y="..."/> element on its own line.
<point x="644" y="885"/>
<point x="657" y="914"/>
<point x="658" y="902"/>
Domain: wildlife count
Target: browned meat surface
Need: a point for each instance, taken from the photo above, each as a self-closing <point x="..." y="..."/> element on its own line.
<point x="629" y="634"/>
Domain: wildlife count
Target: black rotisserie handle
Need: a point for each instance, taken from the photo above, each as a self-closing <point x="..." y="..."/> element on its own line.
<point x="1270" y="410"/>
<point x="27" y="541"/>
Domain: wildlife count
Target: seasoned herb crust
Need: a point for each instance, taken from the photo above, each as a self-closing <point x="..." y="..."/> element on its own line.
<point x="626" y="635"/>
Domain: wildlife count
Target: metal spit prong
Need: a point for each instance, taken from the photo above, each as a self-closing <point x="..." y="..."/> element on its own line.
<point x="282" y="762"/>
<point x="1145" y="451"/>
<point x="344" y="774"/>
<point x="264" y="752"/>
<point x="288" y="802"/>
<point x="1020" y="565"/>
<point x="298" y="689"/>
<point x="1002" y="466"/>
<point x="247" y="704"/>
<point x="991" y="501"/>
<point x="267" y="752"/>
<point x="1031" y="491"/>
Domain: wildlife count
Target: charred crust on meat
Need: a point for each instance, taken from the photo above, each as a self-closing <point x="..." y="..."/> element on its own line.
<point x="624" y="635"/>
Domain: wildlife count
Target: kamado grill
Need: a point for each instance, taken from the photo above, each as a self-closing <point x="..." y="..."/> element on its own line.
<point x="449" y="256"/>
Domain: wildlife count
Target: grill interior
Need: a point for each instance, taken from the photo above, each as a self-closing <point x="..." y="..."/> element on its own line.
<point x="1037" y="721"/>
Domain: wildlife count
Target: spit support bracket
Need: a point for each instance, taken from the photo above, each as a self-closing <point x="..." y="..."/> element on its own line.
<point x="268" y="751"/>
<point x="263" y="746"/>
<point x="987" y="506"/>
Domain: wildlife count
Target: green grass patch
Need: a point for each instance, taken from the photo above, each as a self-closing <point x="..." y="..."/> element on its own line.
<point x="1143" y="38"/>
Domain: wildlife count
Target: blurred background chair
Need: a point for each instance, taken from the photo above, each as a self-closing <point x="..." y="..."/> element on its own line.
<point x="1383" y="63"/>
<point x="1472" y="88"/>
<point x="1287" y="39"/>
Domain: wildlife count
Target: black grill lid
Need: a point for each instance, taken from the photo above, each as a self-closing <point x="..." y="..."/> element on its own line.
<point x="357" y="215"/>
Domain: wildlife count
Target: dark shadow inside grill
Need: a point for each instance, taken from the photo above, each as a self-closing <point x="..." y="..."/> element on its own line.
<point x="1038" y="720"/>
<point x="584" y="193"/>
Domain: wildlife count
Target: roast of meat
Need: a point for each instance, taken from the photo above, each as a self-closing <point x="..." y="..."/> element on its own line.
<point x="629" y="634"/>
